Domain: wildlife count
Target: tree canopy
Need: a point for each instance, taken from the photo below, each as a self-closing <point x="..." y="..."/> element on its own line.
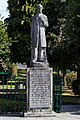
<point x="65" y="53"/>
<point x="72" y="29"/>
<point x="4" y="42"/>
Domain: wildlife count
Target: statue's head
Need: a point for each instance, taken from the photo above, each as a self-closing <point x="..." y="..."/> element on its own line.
<point x="39" y="8"/>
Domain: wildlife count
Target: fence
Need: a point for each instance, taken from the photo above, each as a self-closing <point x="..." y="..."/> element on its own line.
<point x="12" y="93"/>
<point x="57" y="93"/>
<point x="13" y="96"/>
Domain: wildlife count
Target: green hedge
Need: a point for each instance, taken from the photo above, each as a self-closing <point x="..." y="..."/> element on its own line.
<point x="76" y="87"/>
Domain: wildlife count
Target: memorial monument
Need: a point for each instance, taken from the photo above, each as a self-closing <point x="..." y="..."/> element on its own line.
<point x="39" y="75"/>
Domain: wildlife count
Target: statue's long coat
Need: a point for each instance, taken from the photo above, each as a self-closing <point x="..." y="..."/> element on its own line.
<point x="38" y="30"/>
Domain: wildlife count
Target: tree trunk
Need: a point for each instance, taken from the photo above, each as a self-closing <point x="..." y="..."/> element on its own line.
<point x="78" y="74"/>
<point x="64" y="78"/>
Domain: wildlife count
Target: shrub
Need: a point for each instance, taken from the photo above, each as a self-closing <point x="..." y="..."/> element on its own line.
<point x="70" y="77"/>
<point x="76" y="87"/>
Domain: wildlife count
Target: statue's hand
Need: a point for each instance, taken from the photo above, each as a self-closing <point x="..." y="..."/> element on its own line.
<point x="40" y="16"/>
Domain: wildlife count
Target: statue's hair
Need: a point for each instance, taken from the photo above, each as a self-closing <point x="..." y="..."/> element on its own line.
<point x="40" y="6"/>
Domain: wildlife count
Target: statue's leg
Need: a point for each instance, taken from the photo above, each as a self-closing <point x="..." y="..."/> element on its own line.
<point x="34" y="53"/>
<point x="41" y="54"/>
<point x="45" y="55"/>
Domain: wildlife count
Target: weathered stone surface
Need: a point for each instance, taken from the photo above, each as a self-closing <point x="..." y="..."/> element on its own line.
<point x="43" y="65"/>
<point x="38" y="37"/>
<point x="40" y="114"/>
<point x="40" y="90"/>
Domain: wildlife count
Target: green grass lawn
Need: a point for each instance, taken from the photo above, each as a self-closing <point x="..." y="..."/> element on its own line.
<point x="70" y="100"/>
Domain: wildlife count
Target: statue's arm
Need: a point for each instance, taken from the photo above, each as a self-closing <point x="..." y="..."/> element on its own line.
<point x="46" y="24"/>
<point x="45" y="21"/>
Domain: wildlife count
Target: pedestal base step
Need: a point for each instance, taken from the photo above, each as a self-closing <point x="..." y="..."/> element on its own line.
<point x="40" y="114"/>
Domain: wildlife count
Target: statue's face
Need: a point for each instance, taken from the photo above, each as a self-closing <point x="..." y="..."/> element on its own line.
<point x="39" y="8"/>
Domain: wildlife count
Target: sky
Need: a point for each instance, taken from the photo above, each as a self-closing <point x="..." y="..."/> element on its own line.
<point x="3" y="8"/>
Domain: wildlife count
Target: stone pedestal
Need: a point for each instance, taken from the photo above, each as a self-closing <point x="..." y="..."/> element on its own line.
<point x="39" y="90"/>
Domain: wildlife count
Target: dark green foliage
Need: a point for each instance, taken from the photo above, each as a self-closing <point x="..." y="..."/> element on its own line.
<point x="65" y="44"/>
<point x="55" y="10"/>
<point x="70" y="45"/>
<point x="76" y="87"/>
<point x="4" y="43"/>
<point x="72" y="29"/>
<point x="19" y="30"/>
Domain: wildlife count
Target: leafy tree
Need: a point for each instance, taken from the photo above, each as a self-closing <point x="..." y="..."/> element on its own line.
<point x="64" y="31"/>
<point x="72" y="30"/>
<point x="65" y="54"/>
<point x="19" y="30"/>
<point x="4" y="42"/>
<point x="55" y="10"/>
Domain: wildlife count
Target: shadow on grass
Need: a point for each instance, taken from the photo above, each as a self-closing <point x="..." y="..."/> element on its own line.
<point x="73" y="109"/>
<point x="70" y="100"/>
<point x="71" y="104"/>
<point x="12" y="114"/>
